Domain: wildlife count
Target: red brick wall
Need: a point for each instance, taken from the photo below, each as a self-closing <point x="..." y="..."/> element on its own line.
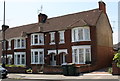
<point x="115" y="69"/>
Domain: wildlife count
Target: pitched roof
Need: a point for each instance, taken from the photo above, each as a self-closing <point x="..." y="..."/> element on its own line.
<point x="57" y="23"/>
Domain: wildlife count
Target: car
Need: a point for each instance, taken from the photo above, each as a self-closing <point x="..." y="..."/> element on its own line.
<point x="3" y="72"/>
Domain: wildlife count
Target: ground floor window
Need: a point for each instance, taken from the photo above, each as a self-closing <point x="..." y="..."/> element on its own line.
<point x="81" y="54"/>
<point x="37" y="56"/>
<point x="19" y="58"/>
<point x="9" y="59"/>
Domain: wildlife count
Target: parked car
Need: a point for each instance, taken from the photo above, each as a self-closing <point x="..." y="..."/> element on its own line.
<point x="3" y="72"/>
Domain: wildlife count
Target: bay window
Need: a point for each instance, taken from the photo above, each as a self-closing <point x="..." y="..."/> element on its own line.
<point x="19" y="58"/>
<point x="81" y="54"/>
<point x="19" y="43"/>
<point x="80" y="34"/>
<point x="37" y="56"/>
<point x="37" y="39"/>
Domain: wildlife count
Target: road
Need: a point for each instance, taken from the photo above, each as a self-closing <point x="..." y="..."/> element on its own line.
<point x="61" y="80"/>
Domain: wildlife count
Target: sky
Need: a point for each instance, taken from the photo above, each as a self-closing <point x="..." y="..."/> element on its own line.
<point x="22" y="12"/>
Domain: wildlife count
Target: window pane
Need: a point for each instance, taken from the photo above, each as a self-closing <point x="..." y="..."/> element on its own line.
<point x="80" y="34"/>
<point x="81" y="55"/>
<point x="18" y="43"/>
<point x="41" y="57"/>
<point x="36" y="57"/>
<point x="87" y="34"/>
<point x="61" y="36"/>
<point x="76" y="57"/>
<point x="23" y="43"/>
<point x="75" y="34"/>
<point x="41" y="37"/>
<point x="18" y="59"/>
<point x="52" y="37"/>
<point x="87" y="51"/>
<point x="32" y="57"/>
<point x="36" y="39"/>
<point x="31" y="39"/>
<point x="9" y="44"/>
<point x="15" y="59"/>
<point x="14" y="43"/>
<point x="23" y="59"/>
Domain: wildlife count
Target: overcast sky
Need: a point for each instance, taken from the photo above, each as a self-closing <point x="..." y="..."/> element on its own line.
<point x="22" y="12"/>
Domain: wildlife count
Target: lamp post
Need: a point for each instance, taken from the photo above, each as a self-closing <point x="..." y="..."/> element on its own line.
<point x="4" y="28"/>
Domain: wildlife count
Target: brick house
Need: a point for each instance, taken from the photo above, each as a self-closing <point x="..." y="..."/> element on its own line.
<point x="74" y="38"/>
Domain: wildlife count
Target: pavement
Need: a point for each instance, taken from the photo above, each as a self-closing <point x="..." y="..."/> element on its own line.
<point x="92" y="75"/>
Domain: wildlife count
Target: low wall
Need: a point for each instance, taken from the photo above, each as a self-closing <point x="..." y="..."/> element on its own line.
<point x="116" y="70"/>
<point x="16" y="69"/>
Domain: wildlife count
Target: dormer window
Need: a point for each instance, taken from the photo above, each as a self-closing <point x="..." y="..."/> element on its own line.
<point x="37" y="39"/>
<point x="61" y="37"/>
<point x="52" y="37"/>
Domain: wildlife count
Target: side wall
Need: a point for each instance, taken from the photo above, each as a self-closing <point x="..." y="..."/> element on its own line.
<point x="104" y="41"/>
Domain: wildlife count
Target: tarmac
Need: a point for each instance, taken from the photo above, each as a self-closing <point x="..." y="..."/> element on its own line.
<point x="92" y="75"/>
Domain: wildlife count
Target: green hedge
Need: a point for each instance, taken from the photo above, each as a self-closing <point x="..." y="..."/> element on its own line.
<point x="14" y="65"/>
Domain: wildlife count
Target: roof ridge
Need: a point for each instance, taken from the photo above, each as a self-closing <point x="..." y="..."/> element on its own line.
<point x="74" y="13"/>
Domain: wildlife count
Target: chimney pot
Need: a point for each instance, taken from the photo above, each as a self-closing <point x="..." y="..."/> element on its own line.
<point x="42" y="18"/>
<point x="102" y="6"/>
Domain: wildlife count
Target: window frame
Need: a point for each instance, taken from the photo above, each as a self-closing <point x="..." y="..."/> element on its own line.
<point x="16" y="58"/>
<point x="52" y="38"/>
<point x="39" y="55"/>
<point x="39" y="35"/>
<point x="84" y="47"/>
<point x="9" y="44"/>
<point x="76" y="32"/>
<point x="62" y="37"/>
<point x="16" y="43"/>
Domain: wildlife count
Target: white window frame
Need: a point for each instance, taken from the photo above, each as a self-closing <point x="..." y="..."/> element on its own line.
<point x="52" y="37"/>
<point x="9" y="55"/>
<point x="38" y="39"/>
<point x="75" y="34"/>
<point x="9" y="44"/>
<point x="33" y="56"/>
<point x="16" y="43"/>
<point x="61" y="37"/>
<point x="16" y="59"/>
<point x="84" y="47"/>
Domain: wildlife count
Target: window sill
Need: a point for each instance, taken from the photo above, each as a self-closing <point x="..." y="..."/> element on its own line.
<point x="20" y="48"/>
<point x="37" y="63"/>
<point x="81" y="40"/>
<point x="61" y="42"/>
<point x="9" y="49"/>
<point x="52" y="43"/>
<point x="36" y="44"/>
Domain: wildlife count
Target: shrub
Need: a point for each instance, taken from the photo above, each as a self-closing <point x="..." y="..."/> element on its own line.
<point x="14" y="65"/>
<point x="110" y="70"/>
<point x="117" y="58"/>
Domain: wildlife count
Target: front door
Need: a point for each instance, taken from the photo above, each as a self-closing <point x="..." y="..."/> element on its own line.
<point x="53" y="59"/>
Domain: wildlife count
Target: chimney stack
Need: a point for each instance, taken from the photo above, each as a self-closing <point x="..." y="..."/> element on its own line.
<point x="102" y="6"/>
<point x="42" y="18"/>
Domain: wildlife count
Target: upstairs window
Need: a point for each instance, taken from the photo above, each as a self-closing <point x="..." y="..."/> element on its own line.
<point x="9" y="44"/>
<point x="52" y="37"/>
<point x="61" y="37"/>
<point x="37" y="39"/>
<point x="81" y="34"/>
<point x="19" y="43"/>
